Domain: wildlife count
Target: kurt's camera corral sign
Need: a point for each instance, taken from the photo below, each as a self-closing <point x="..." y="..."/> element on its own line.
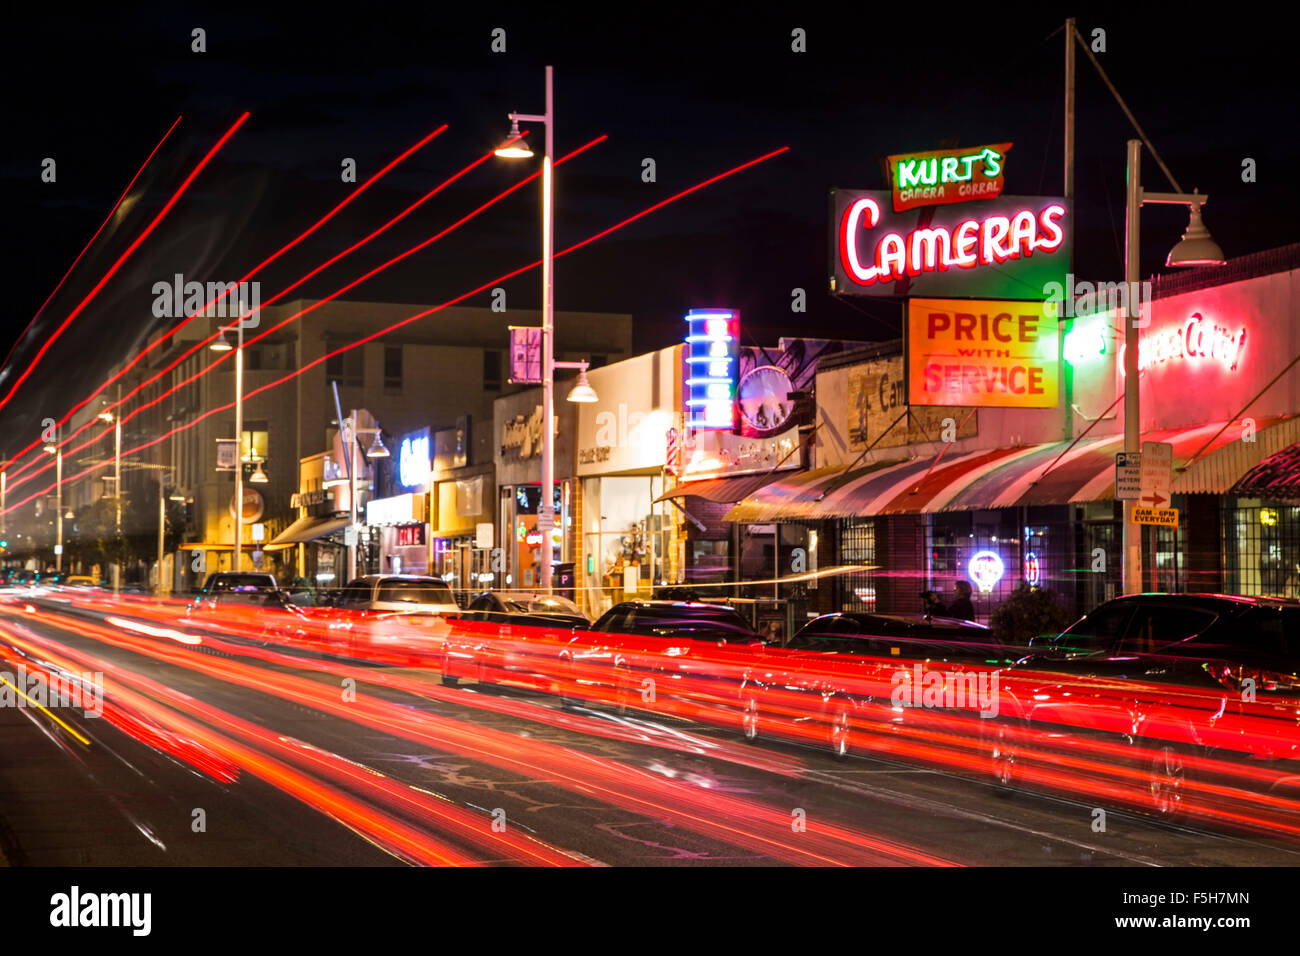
<point x="976" y="266"/>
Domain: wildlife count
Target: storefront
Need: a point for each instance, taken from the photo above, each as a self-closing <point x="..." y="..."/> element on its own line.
<point x="923" y="495"/>
<point x="630" y="541"/>
<point x="771" y="437"/>
<point x="316" y="536"/>
<point x="400" y="522"/>
<point x="518" y="420"/>
<point x="463" y="538"/>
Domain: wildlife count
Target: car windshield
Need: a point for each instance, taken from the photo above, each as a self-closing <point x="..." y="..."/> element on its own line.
<point x="415" y="592"/>
<point x="542" y="604"/>
<point x="709" y="621"/>
<point x="242" y="582"/>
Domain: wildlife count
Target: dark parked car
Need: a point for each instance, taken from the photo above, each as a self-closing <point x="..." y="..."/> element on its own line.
<point x="645" y="654"/>
<point x="1175" y="678"/>
<point x="224" y="588"/>
<point x="835" y="680"/>
<point x="510" y="637"/>
<point x="524" y="607"/>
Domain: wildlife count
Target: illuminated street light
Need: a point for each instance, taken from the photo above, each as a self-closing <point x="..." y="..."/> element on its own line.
<point x="1195" y="249"/>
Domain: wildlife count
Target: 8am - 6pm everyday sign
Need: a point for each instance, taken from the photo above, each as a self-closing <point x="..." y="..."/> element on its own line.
<point x="982" y="353"/>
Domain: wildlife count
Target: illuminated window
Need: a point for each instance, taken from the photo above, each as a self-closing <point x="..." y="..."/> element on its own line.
<point x="256" y="442"/>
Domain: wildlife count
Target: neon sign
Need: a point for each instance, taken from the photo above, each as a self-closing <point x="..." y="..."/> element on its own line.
<point x="1198" y="338"/>
<point x="985" y="569"/>
<point x="1033" y="570"/>
<point x="413" y="460"/>
<point x="974" y="242"/>
<point x="947" y="175"/>
<point x="713" y="359"/>
<point x="1083" y="343"/>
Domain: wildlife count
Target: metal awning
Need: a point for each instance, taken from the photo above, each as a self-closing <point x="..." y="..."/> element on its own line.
<point x="721" y="490"/>
<point x="1207" y="459"/>
<point x="306" y="529"/>
<point x="1276" y="477"/>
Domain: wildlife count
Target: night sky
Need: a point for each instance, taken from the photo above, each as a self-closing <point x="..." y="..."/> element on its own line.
<point x="698" y="94"/>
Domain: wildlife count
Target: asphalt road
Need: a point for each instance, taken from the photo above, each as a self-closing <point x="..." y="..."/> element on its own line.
<point x="290" y="771"/>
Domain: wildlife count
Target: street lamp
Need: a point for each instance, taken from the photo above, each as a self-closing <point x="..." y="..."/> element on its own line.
<point x="376" y="450"/>
<point x="54" y="450"/>
<point x="517" y="149"/>
<point x="107" y="416"/>
<point x="222" y="344"/>
<point x="1195" y="249"/>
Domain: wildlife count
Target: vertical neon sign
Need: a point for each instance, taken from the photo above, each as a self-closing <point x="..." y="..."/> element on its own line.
<point x="713" y="359"/>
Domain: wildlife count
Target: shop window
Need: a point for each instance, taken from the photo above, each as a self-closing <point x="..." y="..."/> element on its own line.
<point x="858" y="546"/>
<point x="710" y="561"/>
<point x="393" y="368"/>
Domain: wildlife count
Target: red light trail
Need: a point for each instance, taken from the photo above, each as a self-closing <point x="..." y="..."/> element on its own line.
<point x="91" y="242"/>
<point x="256" y="269"/>
<point x="407" y="321"/>
<point x="180" y="191"/>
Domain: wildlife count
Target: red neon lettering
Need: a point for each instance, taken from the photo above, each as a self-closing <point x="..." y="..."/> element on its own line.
<point x="994" y="232"/>
<point x="1048" y="220"/>
<point x="1022" y="234"/>
<point x="964" y="246"/>
<point x="849" y="240"/>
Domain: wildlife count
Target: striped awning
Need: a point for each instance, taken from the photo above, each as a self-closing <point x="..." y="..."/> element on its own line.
<point x="721" y="490"/>
<point x="1207" y="459"/>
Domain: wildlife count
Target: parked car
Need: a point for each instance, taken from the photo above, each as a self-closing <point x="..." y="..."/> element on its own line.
<point x="20" y="578"/>
<point x="510" y="637"/>
<point x="393" y="618"/>
<point x="686" y="655"/>
<point x="1173" y="678"/>
<point x="222" y="587"/>
<point x="524" y="607"/>
<point x="397" y="593"/>
<point x="82" y="581"/>
<point x="833" y="683"/>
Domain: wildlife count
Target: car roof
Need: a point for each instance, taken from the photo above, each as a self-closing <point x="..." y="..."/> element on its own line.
<point x="1215" y="602"/>
<point x="691" y="605"/>
<point x="372" y="578"/>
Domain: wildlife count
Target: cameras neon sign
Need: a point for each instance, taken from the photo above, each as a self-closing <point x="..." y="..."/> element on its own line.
<point x="974" y="242"/>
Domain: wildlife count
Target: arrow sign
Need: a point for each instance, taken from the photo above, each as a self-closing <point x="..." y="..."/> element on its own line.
<point x="1156" y="500"/>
